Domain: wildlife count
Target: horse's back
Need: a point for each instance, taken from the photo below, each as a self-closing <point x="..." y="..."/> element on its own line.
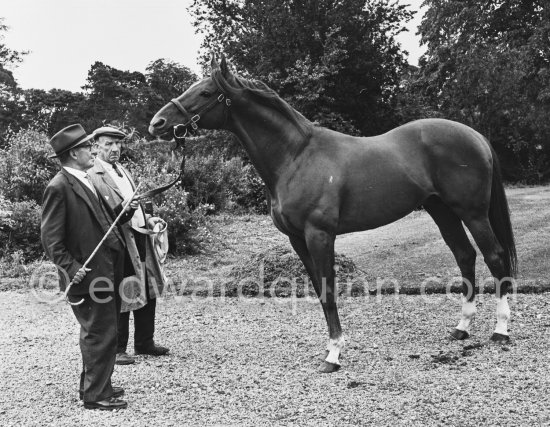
<point x="364" y="183"/>
<point x="385" y="177"/>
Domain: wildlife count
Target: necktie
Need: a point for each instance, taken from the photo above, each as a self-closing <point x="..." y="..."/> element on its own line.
<point x="91" y="186"/>
<point x="117" y="170"/>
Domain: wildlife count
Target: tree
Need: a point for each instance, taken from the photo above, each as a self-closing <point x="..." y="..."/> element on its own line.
<point x="488" y="65"/>
<point x="165" y="79"/>
<point x="52" y="110"/>
<point x="131" y="98"/>
<point x="336" y="61"/>
<point x="168" y="79"/>
<point x="114" y="94"/>
<point x="10" y="107"/>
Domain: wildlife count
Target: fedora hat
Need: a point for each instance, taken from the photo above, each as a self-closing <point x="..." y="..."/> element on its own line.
<point x="109" y="131"/>
<point x="67" y="138"/>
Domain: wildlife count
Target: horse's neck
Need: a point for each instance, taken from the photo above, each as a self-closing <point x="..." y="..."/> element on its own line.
<point x="270" y="139"/>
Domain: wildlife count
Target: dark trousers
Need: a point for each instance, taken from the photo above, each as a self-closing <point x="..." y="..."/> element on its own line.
<point x="144" y="327"/>
<point x="98" y="318"/>
<point x="144" y="317"/>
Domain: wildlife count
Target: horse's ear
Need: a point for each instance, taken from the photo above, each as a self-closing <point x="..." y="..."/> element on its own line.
<point x="223" y="67"/>
<point x="213" y="63"/>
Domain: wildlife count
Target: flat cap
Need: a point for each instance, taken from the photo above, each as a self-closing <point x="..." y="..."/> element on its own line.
<point x="109" y="131"/>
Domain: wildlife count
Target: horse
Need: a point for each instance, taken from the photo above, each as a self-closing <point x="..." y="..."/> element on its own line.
<point x="323" y="183"/>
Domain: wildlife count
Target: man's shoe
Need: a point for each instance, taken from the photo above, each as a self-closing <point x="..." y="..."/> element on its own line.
<point x="107" y="404"/>
<point x="117" y="392"/>
<point x="153" y="350"/>
<point x="124" y="359"/>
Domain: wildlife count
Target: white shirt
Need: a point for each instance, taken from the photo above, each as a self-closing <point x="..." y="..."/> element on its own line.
<point x="82" y="177"/>
<point x="125" y="186"/>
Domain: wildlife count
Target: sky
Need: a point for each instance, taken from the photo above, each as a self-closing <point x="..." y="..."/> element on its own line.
<point x="65" y="37"/>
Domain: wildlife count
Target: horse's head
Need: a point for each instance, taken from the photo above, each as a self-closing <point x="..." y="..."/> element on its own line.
<point x="204" y="104"/>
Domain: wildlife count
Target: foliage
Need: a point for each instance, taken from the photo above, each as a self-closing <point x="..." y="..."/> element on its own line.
<point x="211" y="184"/>
<point x="50" y="111"/>
<point x="113" y="93"/>
<point x="488" y="65"/>
<point x="130" y="97"/>
<point x="215" y="142"/>
<point x="20" y="228"/>
<point x="10" y="106"/>
<point x="25" y="168"/>
<point x="250" y="193"/>
<point x="13" y="265"/>
<point x="182" y="222"/>
<point x="337" y="62"/>
<point x="165" y="80"/>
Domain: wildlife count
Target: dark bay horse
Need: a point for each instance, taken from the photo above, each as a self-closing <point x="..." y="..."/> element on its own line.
<point x="323" y="183"/>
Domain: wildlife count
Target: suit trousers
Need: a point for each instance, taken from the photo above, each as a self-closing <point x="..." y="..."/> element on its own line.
<point x="98" y="316"/>
<point x="144" y="317"/>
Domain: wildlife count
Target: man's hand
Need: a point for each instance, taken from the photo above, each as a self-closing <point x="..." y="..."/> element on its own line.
<point x="134" y="204"/>
<point x="151" y="222"/>
<point x="80" y="274"/>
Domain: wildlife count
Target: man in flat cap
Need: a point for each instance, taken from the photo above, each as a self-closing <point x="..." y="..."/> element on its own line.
<point x="140" y="290"/>
<point x="74" y="221"/>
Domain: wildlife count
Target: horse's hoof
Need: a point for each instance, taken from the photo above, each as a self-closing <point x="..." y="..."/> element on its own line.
<point x="460" y="335"/>
<point x="327" y="367"/>
<point x="500" y="338"/>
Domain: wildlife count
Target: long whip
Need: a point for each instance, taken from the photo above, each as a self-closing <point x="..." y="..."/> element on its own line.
<point x="101" y="242"/>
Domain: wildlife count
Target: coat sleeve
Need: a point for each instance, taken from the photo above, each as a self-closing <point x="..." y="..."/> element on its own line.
<point x="52" y="230"/>
<point x="127" y="216"/>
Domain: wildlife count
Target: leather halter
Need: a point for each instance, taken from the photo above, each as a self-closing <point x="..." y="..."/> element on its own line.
<point x="180" y="139"/>
<point x="193" y="117"/>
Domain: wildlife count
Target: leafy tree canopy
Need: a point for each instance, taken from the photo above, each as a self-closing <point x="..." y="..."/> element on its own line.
<point x="10" y="107"/>
<point x="488" y="65"/>
<point x="336" y="61"/>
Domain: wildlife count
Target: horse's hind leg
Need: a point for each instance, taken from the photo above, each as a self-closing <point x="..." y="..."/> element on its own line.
<point x="455" y="236"/>
<point x="493" y="254"/>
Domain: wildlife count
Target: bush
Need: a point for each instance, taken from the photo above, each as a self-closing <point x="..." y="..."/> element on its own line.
<point x="182" y="222"/>
<point x="153" y="165"/>
<point x="212" y="182"/>
<point x="218" y="143"/>
<point x="251" y="192"/>
<point x="20" y="228"/>
<point x="25" y="168"/>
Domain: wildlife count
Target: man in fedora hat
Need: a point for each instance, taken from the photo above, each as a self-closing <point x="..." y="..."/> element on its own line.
<point x="146" y="281"/>
<point x="74" y="220"/>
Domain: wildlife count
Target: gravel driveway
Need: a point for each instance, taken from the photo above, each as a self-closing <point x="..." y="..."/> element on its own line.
<point x="253" y="362"/>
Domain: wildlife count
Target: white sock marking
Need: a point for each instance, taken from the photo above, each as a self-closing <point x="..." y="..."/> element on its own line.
<point x="468" y="313"/>
<point x="334" y="347"/>
<point x="503" y="315"/>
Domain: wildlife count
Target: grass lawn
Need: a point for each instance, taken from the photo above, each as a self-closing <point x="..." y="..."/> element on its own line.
<point x="409" y="252"/>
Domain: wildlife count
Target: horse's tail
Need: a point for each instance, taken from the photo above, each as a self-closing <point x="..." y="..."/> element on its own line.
<point x="499" y="216"/>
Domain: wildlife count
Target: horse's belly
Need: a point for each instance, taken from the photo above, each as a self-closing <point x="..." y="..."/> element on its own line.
<point x="378" y="206"/>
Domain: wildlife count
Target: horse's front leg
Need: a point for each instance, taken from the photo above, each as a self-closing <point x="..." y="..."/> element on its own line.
<point x="319" y="244"/>
<point x="299" y="245"/>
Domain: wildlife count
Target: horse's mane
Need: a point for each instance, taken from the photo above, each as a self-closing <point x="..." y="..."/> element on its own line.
<point x="264" y="94"/>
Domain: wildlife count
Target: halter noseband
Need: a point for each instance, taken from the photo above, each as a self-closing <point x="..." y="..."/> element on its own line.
<point x="195" y="117"/>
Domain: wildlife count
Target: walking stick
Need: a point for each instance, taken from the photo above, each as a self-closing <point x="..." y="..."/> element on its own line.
<point x="100" y="243"/>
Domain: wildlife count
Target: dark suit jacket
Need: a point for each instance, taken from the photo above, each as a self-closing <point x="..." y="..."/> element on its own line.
<point x="72" y="225"/>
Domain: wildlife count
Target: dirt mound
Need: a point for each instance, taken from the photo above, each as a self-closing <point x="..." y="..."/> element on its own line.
<point x="278" y="271"/>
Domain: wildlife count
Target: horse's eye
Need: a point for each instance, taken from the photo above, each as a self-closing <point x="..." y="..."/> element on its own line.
<point x="206" y="94"/>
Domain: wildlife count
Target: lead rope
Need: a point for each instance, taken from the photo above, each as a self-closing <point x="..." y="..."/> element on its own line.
<point x="180" y="143"/>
